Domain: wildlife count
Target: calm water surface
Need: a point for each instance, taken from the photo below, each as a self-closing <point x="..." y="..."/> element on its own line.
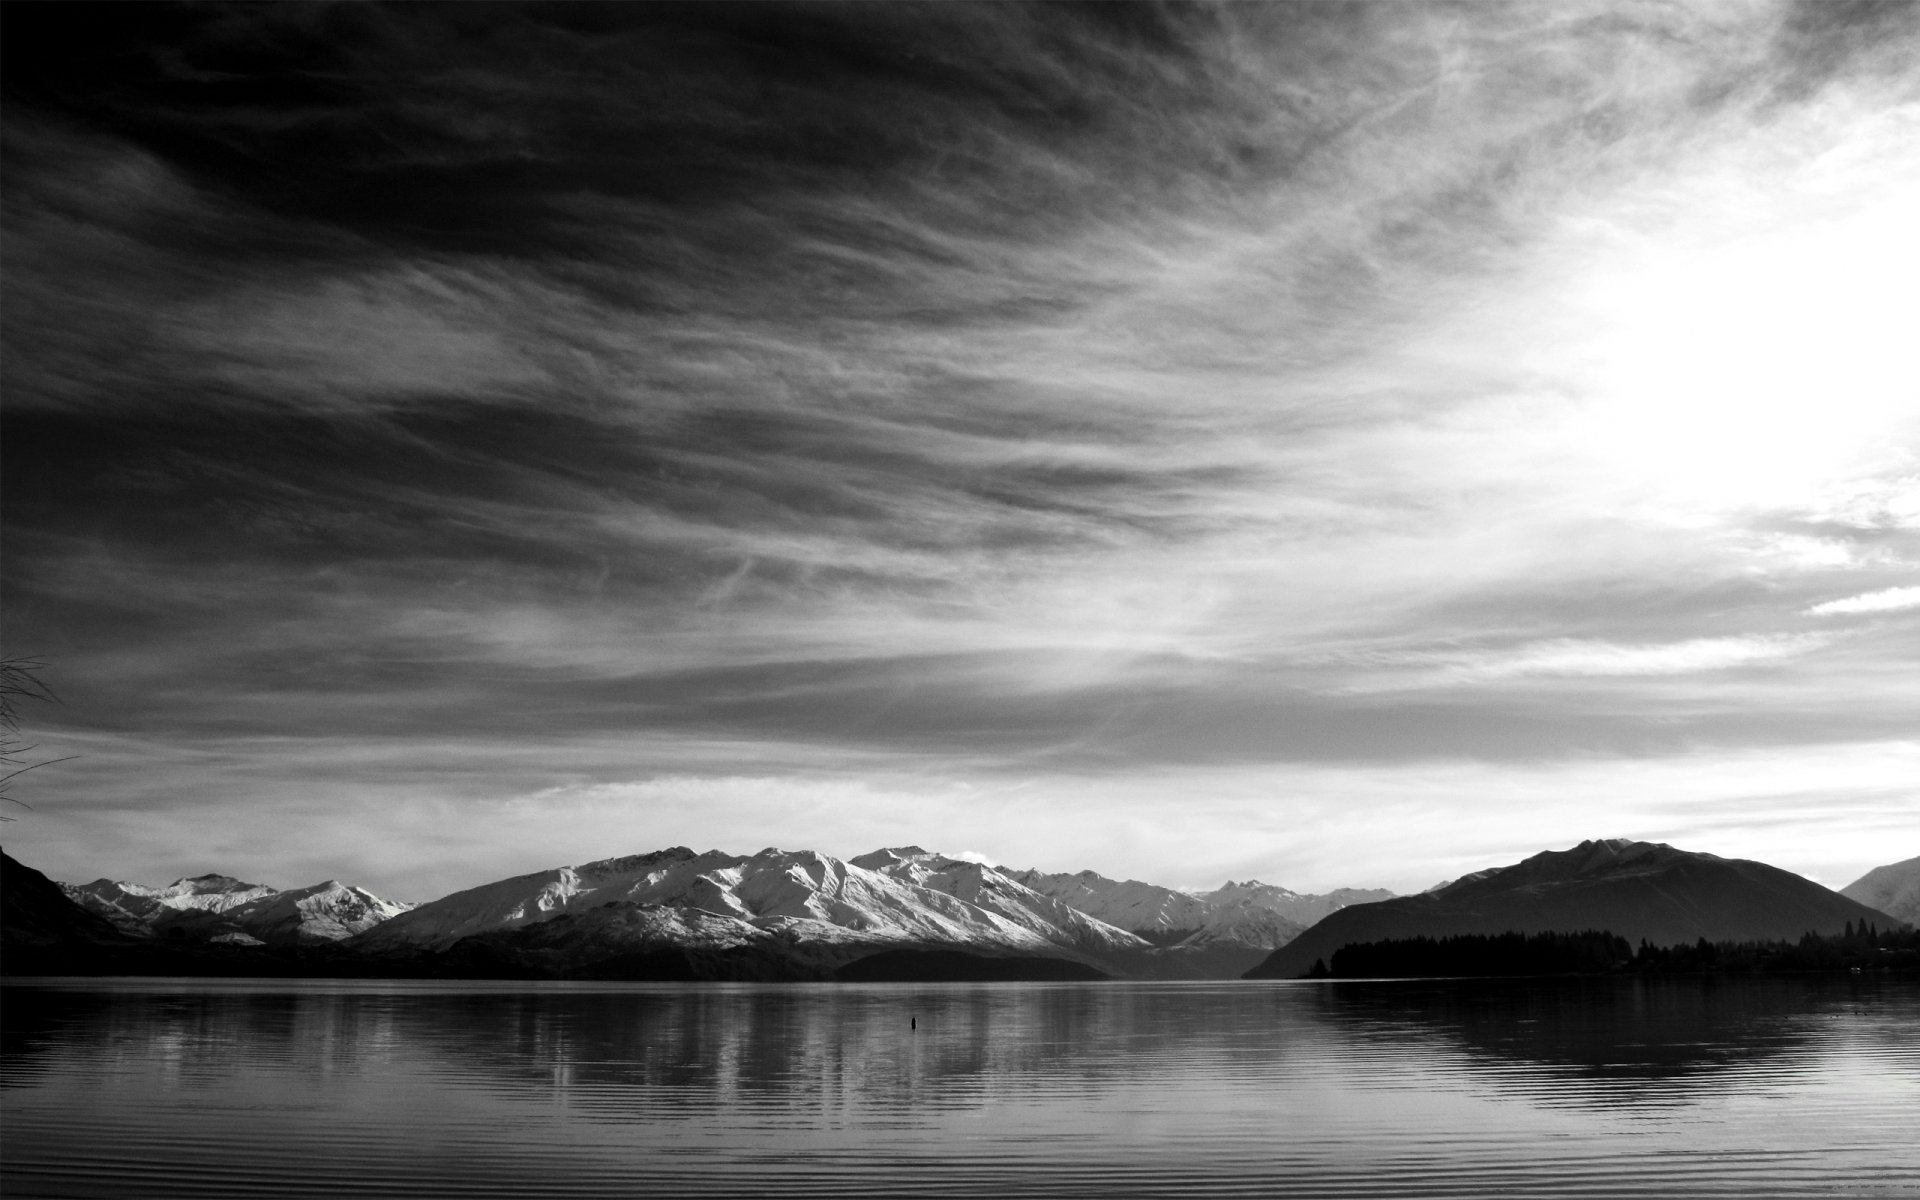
<point x="326" y="1088"/>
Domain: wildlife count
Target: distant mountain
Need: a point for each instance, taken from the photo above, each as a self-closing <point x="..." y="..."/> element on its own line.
<point x="144" y="911"/>
<point x="1157" y="914"/>
<point x="224" y="909"/>
<point x="1248" y="916"/>
<point x="1893" y="889"/>
<point x="796" y="907"/>
<point x="677" y="913"/>
<point x="1635" y="889"/>
<point x="1303" y="908"/>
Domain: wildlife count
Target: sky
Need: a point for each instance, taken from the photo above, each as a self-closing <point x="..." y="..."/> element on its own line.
<point x="1334" y="444"/>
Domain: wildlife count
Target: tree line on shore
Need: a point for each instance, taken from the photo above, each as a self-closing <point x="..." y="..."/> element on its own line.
<point x="1861" y="948"/>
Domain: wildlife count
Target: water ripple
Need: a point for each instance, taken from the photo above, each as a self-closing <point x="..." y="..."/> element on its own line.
<point x="1761" y="1089"/>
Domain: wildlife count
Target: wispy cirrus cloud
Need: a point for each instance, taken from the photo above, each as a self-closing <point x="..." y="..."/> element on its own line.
<point x="1576" y="658"/>
<point x="980" y="388"/>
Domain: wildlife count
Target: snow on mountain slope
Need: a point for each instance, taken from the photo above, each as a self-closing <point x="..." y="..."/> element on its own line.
<point x="1893" y="889"/>
<point x="1145" y="908"/>
<point x="326" y="912"/>
<point x="889" y="897"/>
<point x="216" y="906"/>
<point x="999" y="893"/>
<point x="1244" y="924"/>
<point x="137" y="909"/>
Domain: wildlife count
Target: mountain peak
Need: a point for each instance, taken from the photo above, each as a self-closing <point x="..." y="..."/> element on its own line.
<point x="630" y="862"/>
<point x="1595" y="856"/>
<point x="319" y="889"/>
<point x="1605" y="854"/>
<point x="887" y="856"/>
<point x="214" y="907"/>
<point x="201" y="885"/>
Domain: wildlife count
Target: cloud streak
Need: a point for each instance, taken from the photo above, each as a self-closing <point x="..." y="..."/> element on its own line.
<point x="1884" y="600"/>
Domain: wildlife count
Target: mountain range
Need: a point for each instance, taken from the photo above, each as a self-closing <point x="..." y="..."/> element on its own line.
<point x="883" y="900"/>
<point x="220" y="908"/>
<point x="1250" y="914"/>
<point x="678" y="913"/>
<point x="820" y="913"/>
<point x="773" y="911"/>
<point x="1636" y="890"/>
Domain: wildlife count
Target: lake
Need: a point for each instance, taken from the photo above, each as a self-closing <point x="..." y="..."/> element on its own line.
<point x="199" y="1088"/>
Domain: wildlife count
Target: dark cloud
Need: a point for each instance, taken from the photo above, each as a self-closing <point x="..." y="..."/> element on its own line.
<point x="1821" y="43"/>
<point x="471" y="126"/>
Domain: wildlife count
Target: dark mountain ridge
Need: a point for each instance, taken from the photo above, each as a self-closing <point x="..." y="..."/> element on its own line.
<point x="1637" y="890"/>
<point x="36" y="914"/>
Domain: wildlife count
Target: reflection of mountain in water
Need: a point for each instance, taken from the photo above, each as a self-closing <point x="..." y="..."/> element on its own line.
<point x="672" y="1053"/>
<point x="1597" y="1041"/>
<point x="681" y="1054"/>
<point x="1350" y="1090"/>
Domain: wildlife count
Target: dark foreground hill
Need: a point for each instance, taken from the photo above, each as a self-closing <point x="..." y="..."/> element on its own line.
<point x="38" y="921"/>
<point x="1637" y="890"/>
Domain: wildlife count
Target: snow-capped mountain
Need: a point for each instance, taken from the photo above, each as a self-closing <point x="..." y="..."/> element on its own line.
<point x="325" y="912"/>
<point x="893" y="898"/>
<point x="1256" y="915"/>
<point x="819" y="912"/>
<point x="221" y="908"/>
<point x="1158" y="914"/>
<point x="141" y="910"/>
<point x="1893" y="889"/>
